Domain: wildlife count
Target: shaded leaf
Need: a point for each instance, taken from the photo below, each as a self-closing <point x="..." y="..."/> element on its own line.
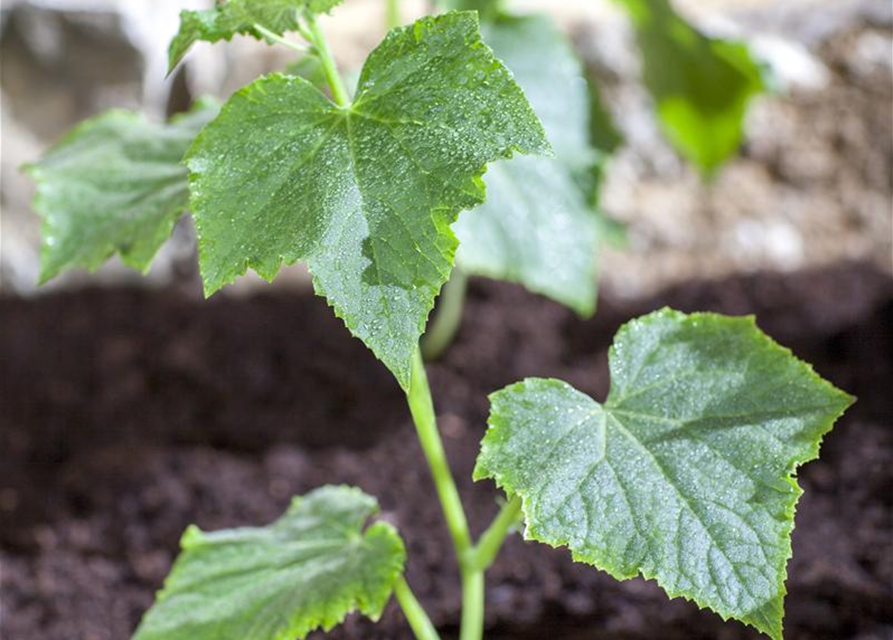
<point x="310" y="68"/>
<point x="115" y="183"/>
<point x="307" y="570"/>
<point x="537" y="226"/>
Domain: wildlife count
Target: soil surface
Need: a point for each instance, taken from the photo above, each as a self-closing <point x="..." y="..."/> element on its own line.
<point x="128" y="414"/>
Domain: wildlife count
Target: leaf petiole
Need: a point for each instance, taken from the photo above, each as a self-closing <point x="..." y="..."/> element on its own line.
<point x="448" y="317"/>
<point x="392" y="14"/>
<point x="487" y="548"/>
<point x="321" y="46"/>
<point x="415" y="615"/>
<point x="272" y="37"/>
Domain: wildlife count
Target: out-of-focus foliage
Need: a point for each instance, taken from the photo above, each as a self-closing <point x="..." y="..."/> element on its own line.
<point x="311" y="69"/>
<point x="538" y="226"/>
<point x="115" y="183"/>
<point x="701" y="86"/>
<point x="488" y="9"/>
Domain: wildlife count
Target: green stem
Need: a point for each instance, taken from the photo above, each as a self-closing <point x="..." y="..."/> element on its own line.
<point x="304" y="31"/>
<point x="448" y="316"/>
<point x="422" y="407"/>
<point x="415" y="614"/>
<point x="321" y="45"/>
<point x="485" y="551"/>
<point x="472" y="627"/>
<point x="392" y="12"/>
<point x="272" y="37"/>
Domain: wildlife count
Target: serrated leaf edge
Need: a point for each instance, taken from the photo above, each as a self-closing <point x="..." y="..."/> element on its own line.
<point x="775" y="631"/>
<point x="194" y="536"/>
<point x="35" y="171"/>
<point x="401" y="372"/>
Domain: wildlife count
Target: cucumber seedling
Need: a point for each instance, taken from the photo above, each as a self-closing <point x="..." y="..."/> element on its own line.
<point x="684" y="474"/>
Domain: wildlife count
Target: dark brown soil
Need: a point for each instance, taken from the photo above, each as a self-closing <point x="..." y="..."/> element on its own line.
<point x="129" y="414"/>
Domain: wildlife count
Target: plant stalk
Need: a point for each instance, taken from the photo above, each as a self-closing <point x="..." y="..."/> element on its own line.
<point x="330" y="69"/>
<point x="272" y="37"/>
<point x="476" y="562"/>
<point x="415" y="615"/>
<point x="472" y="627"/>
<point x="392" y="13"/>
<point x="448" y="317"/>
<point x="487" y="548"/>
<point x="422" y="407"/>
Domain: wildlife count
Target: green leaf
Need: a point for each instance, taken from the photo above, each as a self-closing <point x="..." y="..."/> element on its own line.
<point x="535" y="229"/>
<point x="365" y="194"/>
<point x="685" y="474"/>
<point x="322" y="6"/>
<point x="307" y="570"/>
<point x="605" y="140"/>
<point x="488" y="9"/>
<point x="701" y="86"/>
<point x="115" y="183"/>
<point x="226" y="19"/>
<point x="310" y="68"/>
<point x="603" y="133"/>
<point x="537" y="226"/>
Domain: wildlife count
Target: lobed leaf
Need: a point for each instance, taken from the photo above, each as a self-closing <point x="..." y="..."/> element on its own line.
<point x="365" y="194"/>
<point x="115" y="183"/>
<point x="537" y="226"/>
<point x="685" y="474"/>
<point x="701" y="86"/>
<point x="232" y="17"/>
<point x="307" y="570"/>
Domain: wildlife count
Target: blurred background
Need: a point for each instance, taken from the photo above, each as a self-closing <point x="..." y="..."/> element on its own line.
<point x="812" y="184"/>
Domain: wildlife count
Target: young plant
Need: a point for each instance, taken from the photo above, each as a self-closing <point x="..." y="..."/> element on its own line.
<point x="684" y="474"/>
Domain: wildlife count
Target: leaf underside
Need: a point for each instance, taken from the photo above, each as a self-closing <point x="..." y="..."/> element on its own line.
<point x="701" y="86"/>
<point x="537" y="227"/>
<point x="307" y="570"/>
<point x="364" y="194"/>
<point x="115" y="183"/>
<point x="239" y="17"/>
<point x="685" y="473"/>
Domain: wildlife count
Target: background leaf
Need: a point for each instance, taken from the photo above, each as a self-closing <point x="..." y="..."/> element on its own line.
<point x="311" y="69"/>
<point x="307" y="570"/>
<point x="487" y="9"/>
<point x="701" y="86"/>
<point x="537" y="226"/>
<point x="365" y="194"/>
<point x="115" y="183"/>
<point x="685" y="473"/>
